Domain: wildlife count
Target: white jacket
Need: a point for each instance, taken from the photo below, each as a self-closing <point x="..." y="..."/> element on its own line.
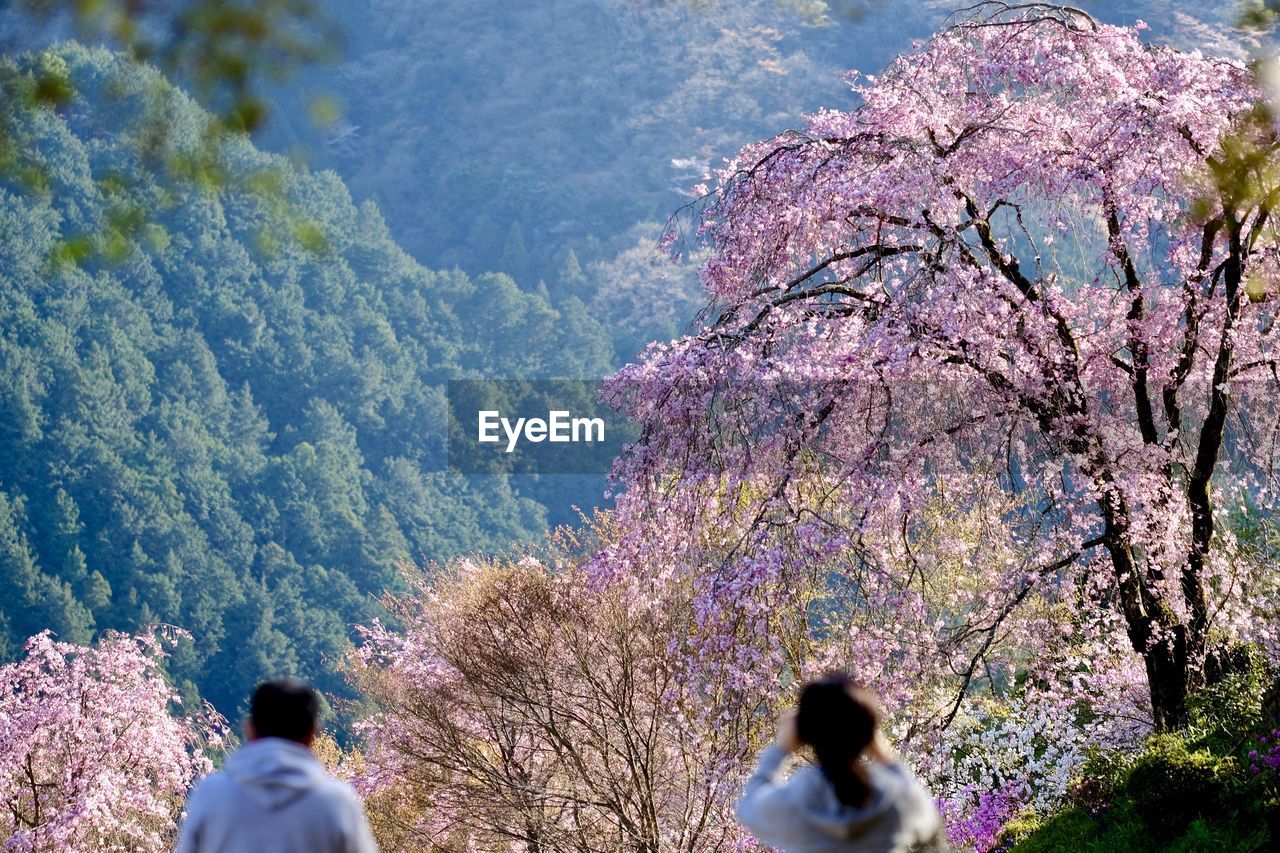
<point x="273" y="796"/>
<point x="803" y="815"/>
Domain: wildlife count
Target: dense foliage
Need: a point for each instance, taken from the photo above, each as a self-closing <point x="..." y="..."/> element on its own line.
<point x="222" y="404"/>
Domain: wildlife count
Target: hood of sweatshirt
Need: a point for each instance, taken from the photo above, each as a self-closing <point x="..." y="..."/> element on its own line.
<point x="274" y="771"/>
<point x="821" y="809"/>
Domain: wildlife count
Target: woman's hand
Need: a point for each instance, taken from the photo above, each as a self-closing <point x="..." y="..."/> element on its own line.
<point x="786" y="737"/>
<point x="880" y="750"/>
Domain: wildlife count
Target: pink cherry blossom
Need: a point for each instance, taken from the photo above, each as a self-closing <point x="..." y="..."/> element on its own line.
<point x="91" y="754"/>
<point x="993" y="360"/>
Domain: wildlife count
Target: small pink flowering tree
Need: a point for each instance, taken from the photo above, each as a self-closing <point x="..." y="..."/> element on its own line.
<point x="1023" y="279"/>
<point x="523" y="706"/>
<point x="90" y="754"/>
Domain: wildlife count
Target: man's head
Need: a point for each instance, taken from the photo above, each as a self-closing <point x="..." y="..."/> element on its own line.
<point x="285" y="708"/>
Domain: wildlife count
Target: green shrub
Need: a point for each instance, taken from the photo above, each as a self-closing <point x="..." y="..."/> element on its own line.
<point x="1101" y="776"/>
<point x="1231" y="704"/>
<point x="1020" y="827"/>
<point x="1170" y="783"/>
<point x="1187" y="791"/>
<point x="1074" y="830"/>
<point x="1202" y="835"/>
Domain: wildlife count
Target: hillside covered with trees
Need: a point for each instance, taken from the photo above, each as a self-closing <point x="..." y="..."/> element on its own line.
<point x="569" y="130"/>
<point x="223" y="398"/>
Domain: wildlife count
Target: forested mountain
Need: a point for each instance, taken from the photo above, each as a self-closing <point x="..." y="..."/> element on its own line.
<point x="539" y="138"/>
<point x="222" y="404"/>
<point x="557" y="127"/>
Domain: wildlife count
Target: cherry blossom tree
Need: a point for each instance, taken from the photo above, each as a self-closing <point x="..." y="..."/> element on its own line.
<point x="521" y="705"/>
<point x="90" y="754"/>
<point x="1030" y="277"/>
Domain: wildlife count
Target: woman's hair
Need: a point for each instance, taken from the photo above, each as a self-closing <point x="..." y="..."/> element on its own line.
<point x="838" y="719"/>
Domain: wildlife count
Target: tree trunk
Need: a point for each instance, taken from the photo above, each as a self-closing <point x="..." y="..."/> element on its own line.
<point x="1154" y="631"/>
<point x="1168" y="677"/>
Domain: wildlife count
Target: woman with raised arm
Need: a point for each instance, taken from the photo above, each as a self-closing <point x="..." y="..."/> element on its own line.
<point x="859" y="797"/>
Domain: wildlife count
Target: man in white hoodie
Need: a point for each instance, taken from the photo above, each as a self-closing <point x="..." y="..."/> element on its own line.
<point x="273" y="795"/>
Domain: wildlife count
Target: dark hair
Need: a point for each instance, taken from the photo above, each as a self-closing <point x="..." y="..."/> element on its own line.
<point x="286" y="708"/>
<point x="838" y="719"/>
